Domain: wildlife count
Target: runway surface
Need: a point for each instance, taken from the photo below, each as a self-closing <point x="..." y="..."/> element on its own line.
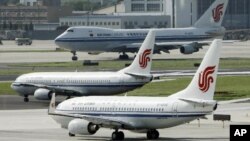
<point x="15" y="102"/>
<point x="18" y="54"/>
<point x="36" y="125"/>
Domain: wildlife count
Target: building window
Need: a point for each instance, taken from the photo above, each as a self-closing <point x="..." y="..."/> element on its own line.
<point x="153" y="7"/>
<point x="137" y="7"/>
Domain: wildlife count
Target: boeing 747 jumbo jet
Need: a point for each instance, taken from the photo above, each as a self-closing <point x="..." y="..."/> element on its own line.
<point x="42" y="85"/>
<point x="85" y="115"/>
<point x="95" y="40"/>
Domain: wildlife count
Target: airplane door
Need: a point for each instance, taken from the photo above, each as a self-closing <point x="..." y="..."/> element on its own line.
<point x="175" y="109"/>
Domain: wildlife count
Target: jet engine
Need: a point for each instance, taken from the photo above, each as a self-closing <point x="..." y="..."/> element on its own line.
<point x="190" y="48"/>
<point x="82" y="127"/>
<point x="43" y="94"/>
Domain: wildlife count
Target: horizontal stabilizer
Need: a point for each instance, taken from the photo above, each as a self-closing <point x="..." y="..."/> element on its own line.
<point x="139" y="75"/>
<point x="199" y="101"/>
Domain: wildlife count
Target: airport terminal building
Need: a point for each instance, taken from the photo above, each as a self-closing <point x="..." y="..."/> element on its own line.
<point x="117" y="21"/>
<point x="182" y="13"/>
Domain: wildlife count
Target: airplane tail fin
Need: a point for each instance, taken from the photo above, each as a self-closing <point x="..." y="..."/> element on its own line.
<point x="142" y="63"/>
<point x="213" y="17"/>
<point x="203" y="83"/>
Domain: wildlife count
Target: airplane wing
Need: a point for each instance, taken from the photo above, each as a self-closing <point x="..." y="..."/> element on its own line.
<point x="98" y="120"/>
<point x="187" y="47"/>
<point x="162" y="46"/>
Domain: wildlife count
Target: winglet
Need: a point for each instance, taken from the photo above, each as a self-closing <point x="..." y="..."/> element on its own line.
<point x="52" y="105"/>
<point x="143" y="60"/>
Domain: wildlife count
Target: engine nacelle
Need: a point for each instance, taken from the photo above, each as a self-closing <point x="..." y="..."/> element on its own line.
<point x="42" y="94"/>
<point x="190" y="48"/>
<point x="82" y="127"/>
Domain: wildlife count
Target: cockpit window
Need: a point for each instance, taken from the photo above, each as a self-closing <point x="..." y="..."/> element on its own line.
<point x="70" y="30"/>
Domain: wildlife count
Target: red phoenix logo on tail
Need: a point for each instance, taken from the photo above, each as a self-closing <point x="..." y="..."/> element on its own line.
<point x="205" y="78"/>
<point x="217" y="12"/>
<point x="144" y="58"/>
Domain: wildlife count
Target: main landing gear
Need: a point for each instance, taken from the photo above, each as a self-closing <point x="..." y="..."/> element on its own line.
<point x="123" y="56"/>
<point x="152" y="134"/>
<point x="71" y="134"/>
<point x="74" y="57"/>
<point x="26" y="99"/>
<point x="117" y="135"/>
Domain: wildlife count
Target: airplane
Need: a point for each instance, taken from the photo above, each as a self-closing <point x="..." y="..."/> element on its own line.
<point x="86" y="115"/>
<point x="95" y="40"/>
<point x="42" y="85"/>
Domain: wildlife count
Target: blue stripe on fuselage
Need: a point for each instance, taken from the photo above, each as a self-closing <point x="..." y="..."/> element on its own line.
<point x="103" y="39"/>
<point x="152" y="115"/>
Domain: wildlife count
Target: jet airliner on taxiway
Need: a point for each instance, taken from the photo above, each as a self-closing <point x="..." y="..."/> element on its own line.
<point x="85" y="115"/>
<point x="42" y="85"/>
<point x="95" y="40"/>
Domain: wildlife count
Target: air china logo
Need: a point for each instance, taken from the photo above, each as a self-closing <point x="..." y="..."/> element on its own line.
<point x="217" y="12"/>
<point x="144" y="58"/>
<point x="205" y="78"/>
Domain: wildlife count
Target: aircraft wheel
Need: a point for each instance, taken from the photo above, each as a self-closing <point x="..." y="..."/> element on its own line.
<point x="71" y="135"/>
<point x="124" y="57"/>
<point x="121" y="135"/>
<point x="117" y="135"/>
<point x="153" y="134"/>
<point x="74" y="58"/>
<point x="26" y="99"/>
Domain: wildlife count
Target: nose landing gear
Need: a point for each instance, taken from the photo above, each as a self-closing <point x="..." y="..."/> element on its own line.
<point x="26" y="99"/>
<point x="74" y="57"/>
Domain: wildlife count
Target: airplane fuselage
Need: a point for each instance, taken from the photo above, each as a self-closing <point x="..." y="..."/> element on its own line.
<point x="95" y="39"/>
<point x="79" y="83"/>
<point x="140" y="112"/>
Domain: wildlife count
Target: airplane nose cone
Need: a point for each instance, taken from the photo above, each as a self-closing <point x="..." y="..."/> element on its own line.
<point x="14" y="86"/>
<point x="57" y="39"/>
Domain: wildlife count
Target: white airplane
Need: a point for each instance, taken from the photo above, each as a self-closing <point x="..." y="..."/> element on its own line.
<point x="42" y="85"/>
<point x="85" y="115"/>
<point x="95" y="40"/>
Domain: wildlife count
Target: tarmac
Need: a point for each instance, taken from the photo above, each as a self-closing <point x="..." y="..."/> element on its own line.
<point x="33" y="124"/>
<point x="38" y="52"/>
